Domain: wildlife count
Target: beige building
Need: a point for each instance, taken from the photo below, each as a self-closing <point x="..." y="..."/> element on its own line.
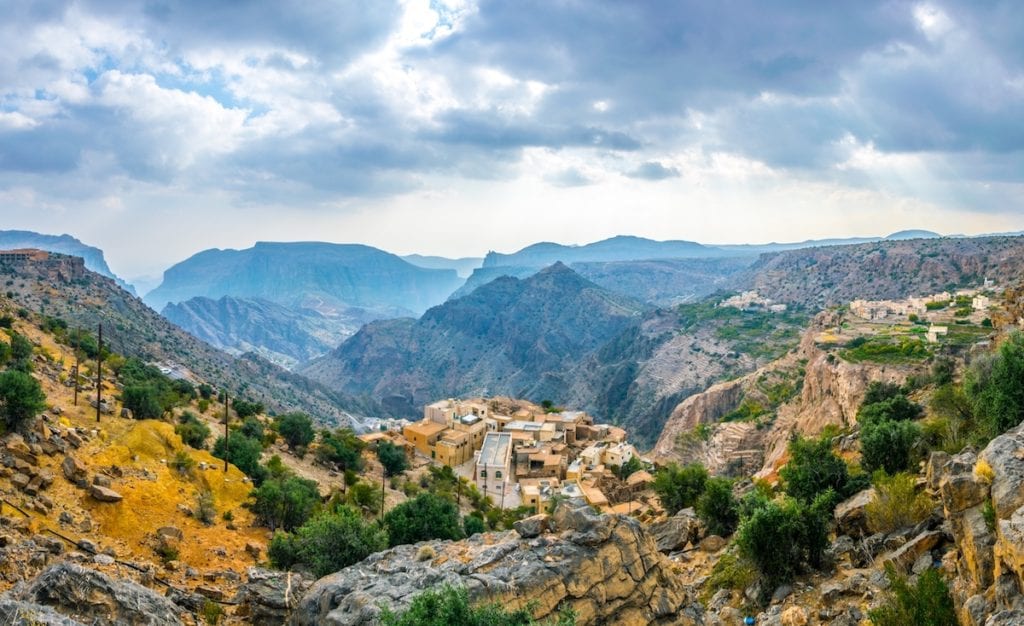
<point x="494" y="464"/>
<point x="424" y="436"/>
<point x="454" y="448"/>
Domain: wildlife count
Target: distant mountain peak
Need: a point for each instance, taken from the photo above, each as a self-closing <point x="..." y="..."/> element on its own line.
<point x="913" y="234"/>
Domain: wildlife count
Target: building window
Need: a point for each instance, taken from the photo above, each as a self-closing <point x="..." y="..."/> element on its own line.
<point x="497" y="474"/>
<point x="483" y="473"/>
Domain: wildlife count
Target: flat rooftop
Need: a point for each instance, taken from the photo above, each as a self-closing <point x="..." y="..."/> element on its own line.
<point x="496" y="449"/>
<point x="426" y="429"/>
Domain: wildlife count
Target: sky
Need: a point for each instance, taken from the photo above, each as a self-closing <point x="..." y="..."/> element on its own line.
<point x="156" y="129"/>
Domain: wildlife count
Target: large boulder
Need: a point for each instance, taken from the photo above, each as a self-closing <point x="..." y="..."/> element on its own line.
<point x="605" y="567"/>
<point x="851" y="514"/>
<point x="267" y="598"/>
<point x="1003" y="455"/>
<point x="676" y="532"/>
<point x="94" y="598"/>
<point x="104" y="494"/>
<point x="75" y="471"/>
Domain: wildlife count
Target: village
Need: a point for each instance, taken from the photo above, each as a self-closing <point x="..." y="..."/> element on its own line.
<point x="525" y="455"/>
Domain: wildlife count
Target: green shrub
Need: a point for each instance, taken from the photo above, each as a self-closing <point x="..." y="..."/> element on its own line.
<point x="896" y="408"/>
<point x="143" y="401"/>
<point x="813" y="469"/>
<point x="364" y="496"/>
<point x="424" y="517"/>
<point x="472" y="525"/>
<point x="784" y="539"/>
<point x="995" y="387"/>
<point x="183" y="463"/>
<point x="717" y="507"/>
<point x="896" y="503"/>
<point x="341" y="449"/>
<point x="252" y="428"/>
<point x="192" y="431"/>
<point x="285" y="502"/>
<point x="21" y="398"/>
<point x="449" y="606"/>
<point x="392" y="457"/>
<point x="247" y="408"/>
<point x="890" y="446"/>
<point x="328" y="542"/>
<point x="927" y="603"/>
<point x="244" y="453"/>
<point x="206" y="511"/>
<point x="296" y="428"/>
<point x="730" y="572"/>
<point x="679" y="487"/>
<point x="212" y="612"/>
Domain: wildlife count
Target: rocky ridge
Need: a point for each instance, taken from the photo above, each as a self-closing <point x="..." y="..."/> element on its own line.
<point x="605" y="567"/>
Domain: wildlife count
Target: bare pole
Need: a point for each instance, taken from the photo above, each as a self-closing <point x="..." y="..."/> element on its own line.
<point x="78" y="337"/>
<point x="99" y="374"/>
<point x="383" y="475"/>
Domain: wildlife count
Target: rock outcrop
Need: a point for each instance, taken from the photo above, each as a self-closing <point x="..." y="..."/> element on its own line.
<point x="90" y="597"/>
<point x="605" y="567"/>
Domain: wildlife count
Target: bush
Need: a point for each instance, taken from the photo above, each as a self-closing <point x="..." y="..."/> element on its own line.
<point x="717" y="507"/>
<point x="341" y="448"/>
<point x="285" y="503"/>
<point x="814" y="469"/>
<point x="328" y="542"/>
<point x="183" y="463"/>
<point x="996" y="387"/>
<point x="896" y="503"/>
<point x="21" y="398"/>
<point x="247" y="408"/>
<point x="783" y="539"/>
<point x="472" y="525"/>
<point x="896" y="409"/>
<point x="679" y="487"/>
<point x="424" y="517"/>
<point x="252" y="428"/>
<point x="449" y="606"/>
<point x="192" y="431"/>
<point x="890" y="446"/>
<point x="296" y="428"/>
<point x="730" y="572"/>
<point x="244" y="453"/>
<point x="364" y="496"/>
<point x="392" y="457"/>
<point x="927" y="603"/>
<point x="206" y="511"/>
<point x="143" y="401"/>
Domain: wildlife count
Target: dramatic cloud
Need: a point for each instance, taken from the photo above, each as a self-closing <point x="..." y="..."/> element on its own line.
<point x="154" y="129"/>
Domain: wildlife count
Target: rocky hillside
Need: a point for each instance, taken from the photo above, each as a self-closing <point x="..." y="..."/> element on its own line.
<point x="510" y="337"/>
<point x="322" y="276"/>
<point x="133" y="329"/>
<point x="820" y="277"/>
<point x="607" y="568"/>
<point x="741" y="426"/>
<point x="283" y="335"/>
<point x="64" y="244"/>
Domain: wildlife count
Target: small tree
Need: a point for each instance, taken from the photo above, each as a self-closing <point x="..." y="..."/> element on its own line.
<point x="285" y="503"/>
<point x="889" y="445"/>
<point x="813" y="469"/>
<point x="717" y="507"/>
<point x="143" y="400"/>
<point x="192" y="431"/>
<point x="424" y="517"/>
<point x="328" y="542"/>
<point x="243" y="452"/>
<point x="679" y="487"/>
<point x="392" y="457"/>
<point x="473" y="524"/>
<point x="897" y="503"/>
<point x="927" y="603"/>
<point x="341" y="448"/>
<point x="296" y="428"/>
<point x="21" y="398"/>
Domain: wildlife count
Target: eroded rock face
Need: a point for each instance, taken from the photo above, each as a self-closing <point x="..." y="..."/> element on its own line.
<point x="606" y="567"/>
<point x="267" y="598"/>
<point x="90" y="597"/>
<point x="851" y="514"/>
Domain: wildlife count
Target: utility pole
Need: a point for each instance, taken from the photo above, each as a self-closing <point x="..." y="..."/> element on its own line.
<point x="99" y="374"/>
<point x="383" y="477"/>
<point x="226" y="446"/>
<point x="78" y="338"/>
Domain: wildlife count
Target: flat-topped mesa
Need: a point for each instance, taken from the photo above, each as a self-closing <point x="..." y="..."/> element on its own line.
<point x="607" y="568"/>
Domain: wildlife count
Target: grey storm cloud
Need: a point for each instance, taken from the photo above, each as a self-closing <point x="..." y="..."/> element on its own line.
<point x="283" y="98"/>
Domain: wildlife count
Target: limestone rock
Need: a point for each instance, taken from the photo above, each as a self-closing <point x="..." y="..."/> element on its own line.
<point x="267" y="598"/>
<point x="1003" y="454"/>
<point x="14" y="613"/>
<point x="606" y="567"/>
<point x="532" y="526"/>
<point x="104" y="494"/>
<point x="850" y="514"/>
<point x="674" y="533"/>
<point x="1006" y="618"/>
<point x="904" y="557"/>
<point x="75" y="471"/>
<point x="94" y="598"/>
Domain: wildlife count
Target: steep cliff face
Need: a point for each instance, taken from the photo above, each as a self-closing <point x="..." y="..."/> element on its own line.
<point x="825" y="391"/>
<point x="606" y="567"/>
